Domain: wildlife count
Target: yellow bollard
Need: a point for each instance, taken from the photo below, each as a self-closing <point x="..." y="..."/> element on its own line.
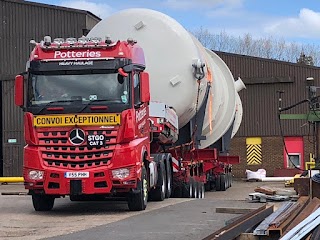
<point x="11" y="179"/>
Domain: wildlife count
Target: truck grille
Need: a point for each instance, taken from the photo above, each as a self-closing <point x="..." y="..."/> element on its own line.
<point x="57" y="151"/>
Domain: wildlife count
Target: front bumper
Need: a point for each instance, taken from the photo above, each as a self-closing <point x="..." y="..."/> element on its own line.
<point x="99" y="181"/>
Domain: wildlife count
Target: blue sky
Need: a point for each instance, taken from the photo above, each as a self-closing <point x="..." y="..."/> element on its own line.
<point x="291" y="20"/>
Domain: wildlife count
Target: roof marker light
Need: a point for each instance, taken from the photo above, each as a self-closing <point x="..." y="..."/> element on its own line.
<point x="33" y="42"/>
<point x="95" y="40"/>
<point x="47" y="41"/>
<point x="108" y="40"/>
<point x="58" y="41"/>
<point x="131" y="41"/>
<point x="71" y="40"/>
<point x="83" y="40"/>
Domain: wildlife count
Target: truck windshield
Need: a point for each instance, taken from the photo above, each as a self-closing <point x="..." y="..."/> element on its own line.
<point x="84" y="87"/>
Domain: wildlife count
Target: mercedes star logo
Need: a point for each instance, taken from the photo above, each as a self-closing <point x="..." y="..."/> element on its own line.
<point x="77" y="136"/>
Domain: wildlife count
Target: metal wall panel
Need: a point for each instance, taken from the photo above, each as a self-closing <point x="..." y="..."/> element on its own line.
<point x="20" y="22"/>
<point x="12" y="125"/>
<point x="91" y="21"/>
<point x="260" y="100"/>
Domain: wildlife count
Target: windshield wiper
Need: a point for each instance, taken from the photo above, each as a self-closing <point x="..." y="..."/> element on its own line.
<point x="57" y="101"/>
<point x="92" y="101"/>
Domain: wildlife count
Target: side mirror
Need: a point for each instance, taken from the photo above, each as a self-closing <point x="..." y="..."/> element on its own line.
<point x="145" y="87"/>
<point x="19" y="91"/>
<point x="122" y="72"/>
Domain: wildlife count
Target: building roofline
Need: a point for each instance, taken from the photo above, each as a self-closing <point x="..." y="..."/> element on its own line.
<point x="55" y="7"/>
<point x="265" y="59"/>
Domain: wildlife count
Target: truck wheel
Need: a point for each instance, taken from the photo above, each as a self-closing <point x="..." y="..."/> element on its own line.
<point x="177" y="192"/>
<point x="230" y="179"/>
<point x="187" y="189"/>
<point x="138" y="201"/>
<point x="227" y="180"/>
<point x="42" y="202"/>
<point x="223" y="183"/>
<point x="218" y="183"/>
<point x="207" y="186"/>
<point x="199" y="189"/>
<point x="159" y="193"/>
<point x="195" y="189"/>
<point x="169" y="179"/>
<point x="202" y="190"/>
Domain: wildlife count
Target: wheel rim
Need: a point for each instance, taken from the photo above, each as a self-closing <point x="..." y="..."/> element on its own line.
<point x="145" y="191"/>
<point x="226" y="181"/>
<point x="199" y="192"/>
<point x="203" y="191"/>
<point x="163" y="186"/>
<point x="169" y="184"/>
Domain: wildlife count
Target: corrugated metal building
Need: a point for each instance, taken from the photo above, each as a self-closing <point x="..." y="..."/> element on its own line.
<point x="21" y="21"/>
<point x="263" y="78"/>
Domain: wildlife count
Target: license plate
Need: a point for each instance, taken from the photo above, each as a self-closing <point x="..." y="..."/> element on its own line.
<point x="96" y="140"/>
<point x="76" y="174"/>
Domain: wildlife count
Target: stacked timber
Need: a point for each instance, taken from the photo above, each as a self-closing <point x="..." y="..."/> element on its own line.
<point x="292" y="221"/>
<point x="264" y="194"/>
<point x="289" y="221"/>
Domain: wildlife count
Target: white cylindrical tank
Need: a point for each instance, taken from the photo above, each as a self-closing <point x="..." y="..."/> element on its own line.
<point x="170" y="51"/>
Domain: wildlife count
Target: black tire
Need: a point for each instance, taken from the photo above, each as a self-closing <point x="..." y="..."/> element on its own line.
<point x="42" y="202"/>
<point x="168" y="179"/>
<point x="137" y="201"/>
<point x="159" y="193"/>
<point x="223" y="182"/>
<point x="177" y="192"/>
<point x="202" y="190"/>
<point x="227" y="180"/>
<point x="218" y="183"/>
<point x="231" y="178"/>
<point x="207" y="186"/>
<point x="195" y="189"/>
<point x="187" y="189"/>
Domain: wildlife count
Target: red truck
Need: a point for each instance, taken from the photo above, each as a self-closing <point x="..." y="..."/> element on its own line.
<point x="92" y="133"/>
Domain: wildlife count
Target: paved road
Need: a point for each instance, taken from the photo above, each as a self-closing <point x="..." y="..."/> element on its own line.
<point x="170" y="219"/>
<point x="192" y="220"/>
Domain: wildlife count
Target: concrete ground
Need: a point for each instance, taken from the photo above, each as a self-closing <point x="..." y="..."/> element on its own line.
<point x="170" y="219"/>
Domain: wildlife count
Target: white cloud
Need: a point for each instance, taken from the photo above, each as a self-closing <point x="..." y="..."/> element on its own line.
<point x="189" y="4"/>
<point x="102" y="10"/>
<point x="237" y="21"/>
<point x="306" y="25"/>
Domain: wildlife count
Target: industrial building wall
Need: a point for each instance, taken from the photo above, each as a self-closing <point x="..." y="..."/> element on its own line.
<point x="263" y="78"/>
<point x="12" y="135"/>
<point x="20" y="22"/>
<point x="272" y="157"/>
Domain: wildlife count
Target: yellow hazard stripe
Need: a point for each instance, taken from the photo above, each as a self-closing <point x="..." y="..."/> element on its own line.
<point x="254" y="151"/>
<point x="253" y="140"/>
<point x="254" y="154"/>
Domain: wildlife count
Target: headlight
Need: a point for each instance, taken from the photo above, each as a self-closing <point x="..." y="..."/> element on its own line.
<point x="36" y="175"/>
<point x="121" y="173"/>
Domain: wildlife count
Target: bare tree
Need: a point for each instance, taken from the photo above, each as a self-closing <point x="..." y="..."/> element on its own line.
<point x="267" y="47"/>
<point x="205" y="37"/>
